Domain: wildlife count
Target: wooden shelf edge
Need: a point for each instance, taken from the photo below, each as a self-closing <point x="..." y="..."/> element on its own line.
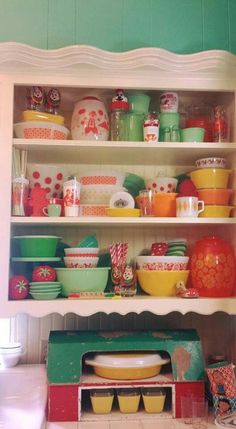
<point x="104" y="220"/>
<point x="136" y="305"/>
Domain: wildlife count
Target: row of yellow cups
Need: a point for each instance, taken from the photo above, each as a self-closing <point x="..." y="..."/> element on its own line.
<point x="128" y="400"/>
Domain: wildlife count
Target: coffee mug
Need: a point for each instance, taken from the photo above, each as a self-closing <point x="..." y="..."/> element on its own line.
<point x="189" y="206"/>
<point x="52" y="210"/>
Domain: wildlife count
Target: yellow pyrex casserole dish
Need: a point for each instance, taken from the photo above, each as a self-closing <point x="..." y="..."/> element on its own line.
<point x="34" y="115"/>
<point x="127" y="366"/>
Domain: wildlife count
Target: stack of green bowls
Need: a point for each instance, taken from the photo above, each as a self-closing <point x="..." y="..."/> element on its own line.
<point x="134" y="184"/>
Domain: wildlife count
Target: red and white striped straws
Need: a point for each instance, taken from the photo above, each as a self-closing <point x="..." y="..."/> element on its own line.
<point x="123" y="275"/>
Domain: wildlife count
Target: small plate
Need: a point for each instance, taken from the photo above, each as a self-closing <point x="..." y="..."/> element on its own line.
<point x="29" y="259"/>
<point x="123" y="212"/>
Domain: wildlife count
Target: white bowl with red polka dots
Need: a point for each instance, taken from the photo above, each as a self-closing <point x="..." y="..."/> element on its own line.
<point x="47" y="176"/>
<point x="162" y="184"/>
<point x="40" y="130"/>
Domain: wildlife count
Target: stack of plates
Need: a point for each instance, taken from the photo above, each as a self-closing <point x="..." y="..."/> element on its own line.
<point x="176" y="247"/>
<point x="45" y="290"/>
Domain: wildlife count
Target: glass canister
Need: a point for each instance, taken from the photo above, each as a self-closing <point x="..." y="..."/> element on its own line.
<point x="200" y="116"/>
<point x="119" y="109"/>
<point x="212" y="267"/>
<point x="151" y="128"/>
<point x="139" y="106"/>
<point x="20" y="193"/>
<point x="220" y="127"/>
<point x="135" y="126"/>
<point x="90" y="120"/>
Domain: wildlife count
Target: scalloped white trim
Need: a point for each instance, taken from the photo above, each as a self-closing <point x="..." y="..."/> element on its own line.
<point x="12" y="54"/>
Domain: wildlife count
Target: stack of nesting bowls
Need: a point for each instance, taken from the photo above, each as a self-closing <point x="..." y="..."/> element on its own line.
<point x="81" y="273"/>
<point x="97" y="187"/>
<point x="41" y="125"/>
<point x="164" y="195"/>
<point x="81" y="257"/>
<point x="211" y="180"/>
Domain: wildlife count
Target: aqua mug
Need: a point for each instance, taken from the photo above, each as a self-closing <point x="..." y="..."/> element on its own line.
<point x="52" y="210"/>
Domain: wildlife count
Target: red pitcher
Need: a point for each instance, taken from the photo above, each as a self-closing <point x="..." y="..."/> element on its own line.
<point x="212" y="267"/>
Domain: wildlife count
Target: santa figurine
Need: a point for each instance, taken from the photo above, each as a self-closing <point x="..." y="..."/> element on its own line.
<point x="35" y="98"/>
<point x="53" y="99"/>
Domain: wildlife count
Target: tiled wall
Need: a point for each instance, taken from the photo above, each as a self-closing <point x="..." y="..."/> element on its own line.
<point x="181" y="26"/>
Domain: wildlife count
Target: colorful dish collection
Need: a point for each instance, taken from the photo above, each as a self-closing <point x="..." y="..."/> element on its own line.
<point x="117" y="194"/>
<point x="168" y="269"/>
<point x="129" y="118"/>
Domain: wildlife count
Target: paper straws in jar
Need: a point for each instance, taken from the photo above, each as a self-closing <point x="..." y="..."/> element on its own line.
<point x="19" y="163"/>
<point x="118" y="252"/>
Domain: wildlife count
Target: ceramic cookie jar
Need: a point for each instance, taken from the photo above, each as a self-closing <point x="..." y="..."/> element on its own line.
<point x="90" y="120"/>
<point x="212" y="267"/>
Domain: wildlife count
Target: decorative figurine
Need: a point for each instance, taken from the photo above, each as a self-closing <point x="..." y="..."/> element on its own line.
<point x="53" y="100"/>
<point x="184" y="292"/>
<point x="35" y="98"/>
<point x="38" y="201"/>
<point x="122" y="274"/>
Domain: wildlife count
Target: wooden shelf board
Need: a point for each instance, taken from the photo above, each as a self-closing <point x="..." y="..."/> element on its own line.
<point x="124" y="153"/>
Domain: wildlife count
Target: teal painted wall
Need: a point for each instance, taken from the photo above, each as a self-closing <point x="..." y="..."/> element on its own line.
<point x="181" y="26"/>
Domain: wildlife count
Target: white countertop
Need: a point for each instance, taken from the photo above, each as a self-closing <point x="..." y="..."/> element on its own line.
<point x="23" y="396"/>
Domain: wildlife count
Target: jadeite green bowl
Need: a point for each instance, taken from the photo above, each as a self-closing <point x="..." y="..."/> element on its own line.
<point x="37" y="246"/>
<point x="74" y="280"/>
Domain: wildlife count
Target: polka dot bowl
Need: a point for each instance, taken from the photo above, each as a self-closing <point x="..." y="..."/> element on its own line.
<point x="40" y="130"/>
<point x="47" y="176"/>
<point x="162" y="184"/>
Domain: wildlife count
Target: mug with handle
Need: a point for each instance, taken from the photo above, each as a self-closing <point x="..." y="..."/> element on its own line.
<point x="189" y="206"/>
<point x="52" y="210"/>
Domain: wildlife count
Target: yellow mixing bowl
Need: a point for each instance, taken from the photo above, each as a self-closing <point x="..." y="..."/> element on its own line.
<point x="161" y="283"/>
<point x="216" y="211"/>
<point x="210" y="178"/>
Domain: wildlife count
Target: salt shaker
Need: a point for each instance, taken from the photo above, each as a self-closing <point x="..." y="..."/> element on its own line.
<point x="151" y="128"/>
<point x="35" y="98"/>
<point x="52" y="102"/>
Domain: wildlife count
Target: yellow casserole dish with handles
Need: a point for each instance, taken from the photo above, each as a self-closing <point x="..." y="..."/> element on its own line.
<point x="127" y="366"/>
<point x="34" y="115"/>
